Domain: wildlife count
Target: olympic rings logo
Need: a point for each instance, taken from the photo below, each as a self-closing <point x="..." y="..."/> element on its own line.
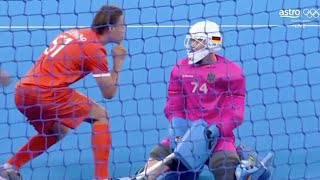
<point x="311" y="13"/>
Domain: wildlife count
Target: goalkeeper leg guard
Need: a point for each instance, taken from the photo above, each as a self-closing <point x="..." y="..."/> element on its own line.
<point x="178" y="127"/>
<point x="197" y="145"/>
<point x="178" y="175"/>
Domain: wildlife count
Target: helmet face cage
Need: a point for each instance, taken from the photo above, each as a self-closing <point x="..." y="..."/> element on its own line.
<point x="194" y="44"/>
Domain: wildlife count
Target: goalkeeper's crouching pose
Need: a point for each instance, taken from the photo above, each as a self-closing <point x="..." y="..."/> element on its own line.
<point x="206" y="99"/>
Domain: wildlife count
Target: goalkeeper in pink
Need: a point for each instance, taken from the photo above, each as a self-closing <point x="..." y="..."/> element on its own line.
<point x="209" y="87"/>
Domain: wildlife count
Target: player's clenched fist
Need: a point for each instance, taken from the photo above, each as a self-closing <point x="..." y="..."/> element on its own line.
<point x="119" y="52"/>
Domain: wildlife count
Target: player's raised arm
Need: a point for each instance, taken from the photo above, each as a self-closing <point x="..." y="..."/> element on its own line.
<point x="108" y="82"/>
<point x="175" y="105"/>
<point x="110" y="28"/>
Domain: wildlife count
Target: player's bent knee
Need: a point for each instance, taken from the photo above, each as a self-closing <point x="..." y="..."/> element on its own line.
<point x="223" y="164"/>
<point x="160" y="152"/>
<point x="98" y="114"/>
<point x="59" y="130"/>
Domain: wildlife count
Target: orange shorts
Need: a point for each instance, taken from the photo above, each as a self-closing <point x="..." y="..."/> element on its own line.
<point x="45" y="107"/>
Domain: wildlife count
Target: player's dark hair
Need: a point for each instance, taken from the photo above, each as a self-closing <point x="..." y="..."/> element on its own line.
<point x="106" y="16"/>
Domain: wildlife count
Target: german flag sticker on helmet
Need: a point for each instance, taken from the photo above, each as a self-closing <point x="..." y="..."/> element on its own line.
<point x="216" y="39"/>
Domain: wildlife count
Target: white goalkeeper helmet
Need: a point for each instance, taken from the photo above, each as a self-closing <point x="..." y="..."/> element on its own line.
<point x="204" y="38"/>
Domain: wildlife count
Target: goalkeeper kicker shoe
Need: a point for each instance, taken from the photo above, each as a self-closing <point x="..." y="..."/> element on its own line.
<point x="8" y="172"/>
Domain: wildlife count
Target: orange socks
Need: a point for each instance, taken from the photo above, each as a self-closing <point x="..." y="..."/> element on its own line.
<point x="101" y="142"/>
<point x="36" y="146"/>
<point x="100" y="139"/>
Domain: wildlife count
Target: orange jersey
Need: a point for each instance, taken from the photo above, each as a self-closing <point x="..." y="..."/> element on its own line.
<point x="71" y="56"/>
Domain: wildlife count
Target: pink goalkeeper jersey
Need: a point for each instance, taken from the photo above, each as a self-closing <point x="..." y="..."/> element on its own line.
<point x="215" y="93"/>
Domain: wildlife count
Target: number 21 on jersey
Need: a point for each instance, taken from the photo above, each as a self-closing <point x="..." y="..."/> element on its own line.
<point x="202" y="88"/>
<point x="59" y="43"/>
